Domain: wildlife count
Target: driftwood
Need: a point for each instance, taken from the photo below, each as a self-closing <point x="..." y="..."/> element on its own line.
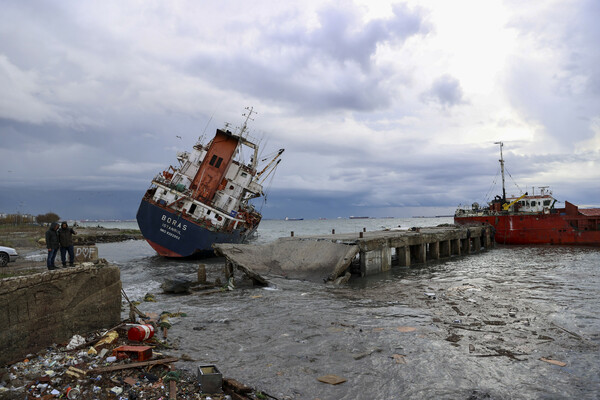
<point x="135" y="365"/>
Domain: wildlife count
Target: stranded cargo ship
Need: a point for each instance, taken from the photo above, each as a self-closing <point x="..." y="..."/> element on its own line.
<point x="205" y="199"/>
<point x="533" y="219"/>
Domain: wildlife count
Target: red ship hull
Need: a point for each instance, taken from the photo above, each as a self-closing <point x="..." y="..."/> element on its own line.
<point x="564" y="226"/>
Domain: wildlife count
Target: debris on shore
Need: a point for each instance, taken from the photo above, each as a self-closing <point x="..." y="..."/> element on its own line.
<point x="93" y="367"/>
<point x="127" y="362"/>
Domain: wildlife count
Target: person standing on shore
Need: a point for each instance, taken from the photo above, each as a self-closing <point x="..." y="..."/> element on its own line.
<point x="65" y="237"/>
<point x="52" y="245"/>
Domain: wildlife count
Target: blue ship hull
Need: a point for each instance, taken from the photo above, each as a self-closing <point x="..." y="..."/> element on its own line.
<point x="171" y="235"/>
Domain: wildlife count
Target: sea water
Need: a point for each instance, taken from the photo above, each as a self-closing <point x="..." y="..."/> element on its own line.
<point x="514" y="322"/>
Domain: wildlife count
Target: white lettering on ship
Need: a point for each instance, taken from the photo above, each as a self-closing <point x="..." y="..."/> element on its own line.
<point x="172" y="227"/>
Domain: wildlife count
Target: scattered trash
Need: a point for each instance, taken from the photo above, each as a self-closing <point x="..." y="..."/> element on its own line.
<point x="140" y="333"/>
<point x="186" y="357"/>
<point x="430" y="295"/>
<point x="230" y="284"/>
<point x="75" y="342"/>
<point x="210" y="379"/>
<point x="114" y="368"/>
<point x="463" y="288"/>
<point x="454" y="338"/>
<point x="164" y="323"/>
<point x="73" y="393"/>
<point x="331" y="379"/>
<point x="399" y="358"/>
<point x="139" y="353"/>
<point x="150" y="297"/>
<point x="116" y="390"/>
<point x="75" y="372"/>
<point x="365" y="354"/>
<point x="108" y="338"/>
<point x="554" y="362"/>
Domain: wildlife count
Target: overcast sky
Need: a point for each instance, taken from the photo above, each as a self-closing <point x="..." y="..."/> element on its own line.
<point x="384" y="108"/>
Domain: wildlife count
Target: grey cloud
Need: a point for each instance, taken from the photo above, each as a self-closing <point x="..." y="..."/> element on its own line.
<point x="563" y="96"/>
<point x="328" y="68"/>
<point x="445" y="90"/>
<point x="338" y="37"/>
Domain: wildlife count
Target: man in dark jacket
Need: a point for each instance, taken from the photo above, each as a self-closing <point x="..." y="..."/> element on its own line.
<point x="52" y="245"/>
<point x="65" y="237"/>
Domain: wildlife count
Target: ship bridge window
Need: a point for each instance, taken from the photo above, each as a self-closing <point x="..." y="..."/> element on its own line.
<point x="546" y="202"/>
<point x="533" y="203"/>
<point x="244" y="174"/>
<point x="216" y="161"/>
<point x="192" y="209"/>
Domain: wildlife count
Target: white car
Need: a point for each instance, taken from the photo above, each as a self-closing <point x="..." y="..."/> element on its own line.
<point x="7" y="254"/>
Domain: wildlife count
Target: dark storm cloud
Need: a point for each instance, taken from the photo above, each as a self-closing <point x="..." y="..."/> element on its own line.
<point x="445" y="90"/>
<point x="448" y="175"/>
<point x="329" y="67"/>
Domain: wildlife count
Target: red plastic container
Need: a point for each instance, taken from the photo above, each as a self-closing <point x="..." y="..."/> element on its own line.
<point x="140" y="333"/>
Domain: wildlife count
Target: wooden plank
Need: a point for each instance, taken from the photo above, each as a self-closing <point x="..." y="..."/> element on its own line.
<point x="135" y="365"/>
<point x="236" y="386"/>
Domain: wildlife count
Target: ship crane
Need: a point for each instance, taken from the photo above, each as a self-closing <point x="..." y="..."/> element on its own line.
<point x="270" y="163"/>
<point x="506" y="206"/>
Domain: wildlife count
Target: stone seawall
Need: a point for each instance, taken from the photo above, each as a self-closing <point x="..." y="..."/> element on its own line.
<point x="41" y="309"/>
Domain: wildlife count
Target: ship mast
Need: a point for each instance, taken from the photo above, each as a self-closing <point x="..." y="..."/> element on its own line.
<point x="247" y="115"/>
<point x="502" y="170"/>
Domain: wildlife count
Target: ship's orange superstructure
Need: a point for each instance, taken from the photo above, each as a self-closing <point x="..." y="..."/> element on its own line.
<point x="214" y="166"/>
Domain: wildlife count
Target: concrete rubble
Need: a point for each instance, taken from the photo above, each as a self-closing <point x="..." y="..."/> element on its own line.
<point x="292" y="258"/>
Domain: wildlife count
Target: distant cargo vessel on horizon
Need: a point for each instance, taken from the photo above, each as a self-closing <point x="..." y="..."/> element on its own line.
<point x="533" y="219"/>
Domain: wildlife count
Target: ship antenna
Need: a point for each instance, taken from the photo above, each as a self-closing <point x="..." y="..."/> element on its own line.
<point x="502" y="170"/>
<point x="247" y="115"/>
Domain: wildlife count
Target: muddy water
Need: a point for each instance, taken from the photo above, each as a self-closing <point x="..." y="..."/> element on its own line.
<point x="480" y="333"/>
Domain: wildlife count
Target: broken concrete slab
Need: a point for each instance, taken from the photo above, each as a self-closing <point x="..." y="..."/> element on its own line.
<point x="177" y="284"/>
<point x="293" y="258"/>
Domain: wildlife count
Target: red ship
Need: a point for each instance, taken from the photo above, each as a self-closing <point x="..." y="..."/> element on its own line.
<point x="533" y="219"/>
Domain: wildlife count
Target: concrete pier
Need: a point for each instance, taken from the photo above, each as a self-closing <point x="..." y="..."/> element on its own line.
<point x="327" y="257"/>
<point x="380" y="250"/>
